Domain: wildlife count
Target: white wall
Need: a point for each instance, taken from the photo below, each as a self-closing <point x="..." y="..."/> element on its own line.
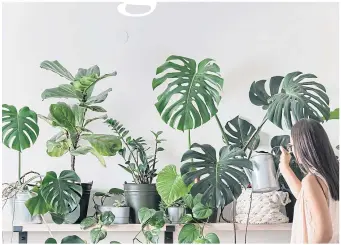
<point x="249" y="41"/>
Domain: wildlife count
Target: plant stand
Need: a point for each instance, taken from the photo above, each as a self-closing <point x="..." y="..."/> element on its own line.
<point x="22" y="234"/>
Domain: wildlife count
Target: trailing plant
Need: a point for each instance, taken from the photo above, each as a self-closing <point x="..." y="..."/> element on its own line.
<point x="20" y="130"/>
<point x="58" y="196"/>
<point x="72" y="121"/>
<point x="138" y="162"/>
<point x="66" y="240"/>
<point x="154" y="221"/>
<point x="103" y="196"/>
<point x="194" y="223"/>
<point x="97" y="232"/>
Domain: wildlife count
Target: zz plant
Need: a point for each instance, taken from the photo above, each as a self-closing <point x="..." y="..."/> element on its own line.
<point x="74" y="136"/>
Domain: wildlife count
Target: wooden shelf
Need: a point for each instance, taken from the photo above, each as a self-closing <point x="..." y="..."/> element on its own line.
<point x="211" y="227"/>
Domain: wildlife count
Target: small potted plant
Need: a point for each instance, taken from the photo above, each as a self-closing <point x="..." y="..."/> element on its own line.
<point x="119" y="208"/>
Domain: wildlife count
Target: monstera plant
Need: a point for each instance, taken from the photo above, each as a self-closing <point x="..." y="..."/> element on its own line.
<point x="71" y="120"/>
<point x="220" y="179"/>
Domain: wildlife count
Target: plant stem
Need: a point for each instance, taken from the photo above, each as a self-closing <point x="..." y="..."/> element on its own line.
<point x="255" y="133"/>
<point x="154" y="162"/>
<point x="19" y="168"/>
<point x="189" y="139"/>
<point x="73" y="161"/>
<point x="222" y="129"/>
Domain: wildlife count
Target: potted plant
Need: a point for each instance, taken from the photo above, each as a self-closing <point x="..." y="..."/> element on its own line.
<point x="141" y="166"/>
<point x="172" y="189"/>
<point x="119" y="208"/>
<point x="20" y="131"/>
<point x="74" y="136"/>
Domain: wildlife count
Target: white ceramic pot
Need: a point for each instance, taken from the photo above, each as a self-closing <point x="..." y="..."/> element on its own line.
<point x="20" y="211"/>
<point x="121" y="213"/>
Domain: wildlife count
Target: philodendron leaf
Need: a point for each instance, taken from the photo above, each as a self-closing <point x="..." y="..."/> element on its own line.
<point x="105" y="145"/>
<point x="62" y="193"/>
<point x="212" y="238"/>
<point x="88" y="222"/>
<point x="157" y="220"/>
<point x="107" y="218"/>
<point x="188" y="200"/>
<point x="169" y="185"/>
<point x="145" y="214"/>
<point x="200" y="241"/>
<point x="188" y="234"/>
<point x="291" y="98"/>
<point x="20" y="129"/>
<point x="97" y="234"/>
<point x="57" y="68"/>
<point x="50" y="241"/>
<point x="72" y="240"/>
<point x="186" y="218"/>
<point x="116" y="191"/>
<point x="196" y="88"/>
<point x="201" y="211"/>
<point x="99" y="98"/>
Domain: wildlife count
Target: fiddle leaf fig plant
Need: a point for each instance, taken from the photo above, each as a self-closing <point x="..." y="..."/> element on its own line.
<point x="74" y="137"/>
<point x="220" y="179"/>
<point x="196" y="88"/>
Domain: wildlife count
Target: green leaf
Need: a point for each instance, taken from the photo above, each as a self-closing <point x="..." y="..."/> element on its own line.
<point x="57" y="148"/>
<point x="186" y="219"/>
<point x="99" y="156"/>
<point x="64" y="91"/>
<point x="188" y="200"/>
<point x="334" y="114"/>
<point x="145" y="214"/>
<point x="201" y="211"/>
<point x="64" y="117"/>
<point x="62" y="193"/>
<point x="152" y="236"/>
<point x="57" y="218"/>
<point x="37" y="205"/>
<point x="220" y="180"/>
<point x="157" y="220"/>
<point x="99" y="98"/>
<point x="291" y="98"/>
<point x="88" y="222"/>
<point x="239" y="131"/>
<point x="192" y="93"/>
<point x="212" y="238"/>
<point x="95" y="118"/>
<point x="72" y="240"/>
<point x="20" y="129"/>
<point x="79" y="114"/>
<point x="105" y="145"/>
<point x="200" y="241"/>
<point x="114" y="242"/>
<point x="107" y="218"/>
<point x="169" y="185"/>
<point x="95" y="108"/>
<point x="116" y="191"/>
<point x="97" y="234"/>
<point x="81" y="150"/>
<point x="57" y="68"/>
<point x="188" y="234"/>
<point x="50" y="241"/>
<point x="94" y="70"/>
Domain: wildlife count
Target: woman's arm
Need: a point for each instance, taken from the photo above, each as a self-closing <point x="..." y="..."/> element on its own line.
<point x="289" y="175"/>
<point x="317" y="211"/>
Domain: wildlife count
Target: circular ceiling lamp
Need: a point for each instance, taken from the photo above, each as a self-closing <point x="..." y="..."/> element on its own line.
<point x="122" y="7"/>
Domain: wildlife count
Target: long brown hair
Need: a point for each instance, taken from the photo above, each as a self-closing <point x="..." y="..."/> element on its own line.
<point x="314" y="152"/>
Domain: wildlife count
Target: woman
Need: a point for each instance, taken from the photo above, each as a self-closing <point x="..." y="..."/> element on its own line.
<point x="316" y="214"/>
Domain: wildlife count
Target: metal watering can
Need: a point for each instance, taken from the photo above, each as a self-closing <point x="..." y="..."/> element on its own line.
<point x="263" y="178"/>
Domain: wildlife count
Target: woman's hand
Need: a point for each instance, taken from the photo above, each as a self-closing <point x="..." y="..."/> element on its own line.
<point x="284" y="160"/>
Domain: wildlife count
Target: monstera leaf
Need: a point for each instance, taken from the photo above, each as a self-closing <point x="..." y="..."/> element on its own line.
<point x="291" y="98"/>
<point x="63" y="193"/>
<point x="169" y="185"/>
<point x="20" y="129"/>
<point x="192" y="94"/>
<point x="220" y="180"/>
<point x="239" y="131"/>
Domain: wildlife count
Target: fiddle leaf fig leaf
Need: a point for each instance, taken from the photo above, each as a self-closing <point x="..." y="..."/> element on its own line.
<point x="197" y="87"/>
<point x="57" y="148"/>
<point x="65" y="91"/>
<point x="105" y="145"/>
<point x="99" y="98"/>
<point x="81" y="150"/>
<point x="20" y="129"/>
<point x="57" y="68"/>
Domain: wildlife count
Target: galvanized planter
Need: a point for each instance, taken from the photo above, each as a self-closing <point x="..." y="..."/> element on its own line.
<point x="121" y="213"/>
<point x="175" y="214"/>
<point x="138" y="196"/>
<point x="20" y="211"/>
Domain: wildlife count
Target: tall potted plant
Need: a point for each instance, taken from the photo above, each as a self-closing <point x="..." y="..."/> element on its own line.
<point x="20" y="131"/>
<point x="142" y="167"/>
<point x="74" y="137"/>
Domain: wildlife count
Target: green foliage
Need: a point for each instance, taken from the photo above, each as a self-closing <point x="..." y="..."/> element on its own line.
<point x="196" y="89"/>
<point x="20" y="129"/>
<point x="291" y="98"/>
<point x="170" y="186"/>
<point x="138" y="162"/>
<point x="66" y="240"/>
<point x="188" y="233"/>
<point x="220" y="180"/>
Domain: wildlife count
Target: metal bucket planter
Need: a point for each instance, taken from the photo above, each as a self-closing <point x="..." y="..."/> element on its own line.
<point x="21" y="215"/>
<point x="121" y="213"/>
<point x="140" y="195"/>
<point x="263" y="177"/>
<point x="175" y="214"/>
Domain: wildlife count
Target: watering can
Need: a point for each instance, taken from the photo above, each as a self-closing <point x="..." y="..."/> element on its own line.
<point x="263" y="178"/>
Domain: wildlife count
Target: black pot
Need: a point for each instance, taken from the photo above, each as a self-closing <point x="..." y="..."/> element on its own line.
<point x="138" y="196"/>
<point x="84" y="202"/>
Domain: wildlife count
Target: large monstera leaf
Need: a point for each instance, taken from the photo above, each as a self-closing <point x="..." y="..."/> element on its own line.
<point x="291" y="98"/>
<point x="62" y="193"/>
<point x="192" y="94"/>
<point x="239" y="131"/>
<point x="220" y="180"/>
<point x="20" y="129"/>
